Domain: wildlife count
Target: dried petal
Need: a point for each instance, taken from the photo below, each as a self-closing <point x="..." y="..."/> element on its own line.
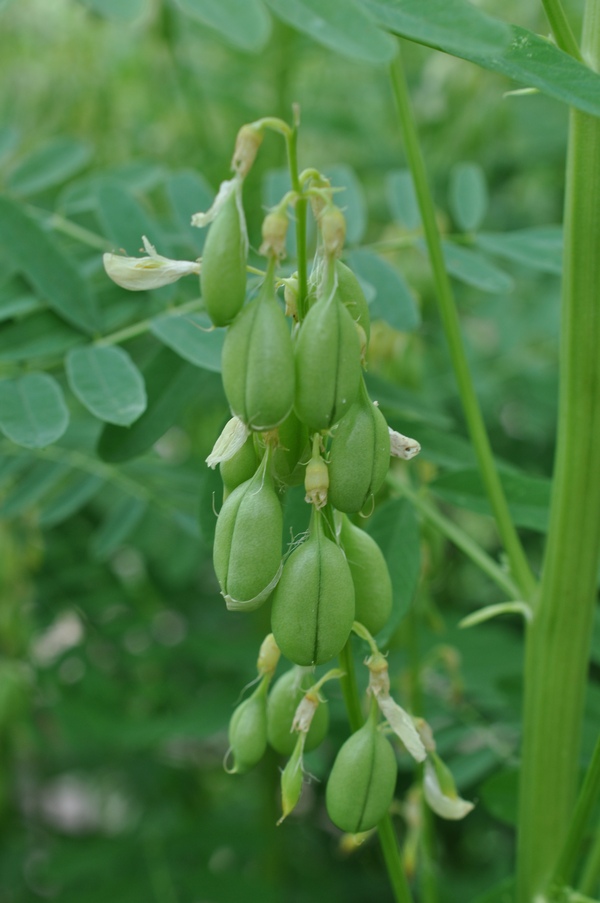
<point x="232" y="438"/>
<point x="445" y="804"/>
<point x="140" y="274"/>
<point x="403" y="447"/>
<point x="402" y="725"/>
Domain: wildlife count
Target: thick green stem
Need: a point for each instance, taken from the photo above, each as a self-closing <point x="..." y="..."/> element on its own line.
<point x="561" y="29"/>
<point x="450" y="320"/>
<point x="558" y="639"/>
<point x="387" y="835"/>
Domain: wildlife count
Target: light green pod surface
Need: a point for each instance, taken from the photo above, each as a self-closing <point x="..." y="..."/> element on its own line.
<point x="328" y="368"/>
<point x="241" y="467"/>
<point x="223" y="271"/>
<point x="293" y="446"/>
<point x="258" y="363"/>
<point x="313" y="603"/>
<point x="282" y="703"/>
<point x="248" y="732"/>
<point x="359" y="457"/>
<point x="352" y="295"/>
<point x="370" y="575"/>
<point x="362" y="781"/>
<point x="247" y="548"/>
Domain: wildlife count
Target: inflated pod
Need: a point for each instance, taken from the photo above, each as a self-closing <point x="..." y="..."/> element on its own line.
<point x="370" y="576"/>
<point x="258" y="362"/>
<point x="241" y="467"/>
<point x="313" y="603"/>
<point x="362" y="781"/>
<point x="248" y="730"/>
<point x="359" y="456"/>
<point x="223" y="272"/>
<point x="247" y="548"/>
<point x="292" y="448"/>
<point x="282" y="703"/>
<point x="352" y="295"/>
<point x="327" y="356"/>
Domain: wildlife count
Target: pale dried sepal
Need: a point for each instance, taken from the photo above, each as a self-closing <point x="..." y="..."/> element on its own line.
<point x="292" y="779"/>
<point x="251" y="604"/>
<point x="400" y="721"/>
<point x="226" y="189"/>
<point x="450" y="807"/>
<point x="268" y="656"/>
<point x="249" y="139"/>
<point x="425" y="733"/>
<point x="233" y="435"/>
<point x="305" y="713"/>
<point x="139" y="274"/>
<point x="403" y="447"/>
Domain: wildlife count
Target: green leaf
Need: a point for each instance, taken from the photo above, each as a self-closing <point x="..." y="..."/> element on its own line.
<point x="119" y="524"/>
<point x="341" y="25"/>
<point x="9" y="140"/>
<point x="243" y="23"/>
<point x="395" y="528"/>
<point x="193" y="337"/>
<point x="393" y="301"/>
<point x="107" y="382"/>
<point x="33" y="412"/>
<point x="125" y="220"/>
<point x="474" y="269"/>
<point x="120" y="10"/>
<point x="51" y="163"/>
<point x="37" y="482"/>
<point x="351" y="200"/>
<point x="402" y="199"/>
<point x="500" y="796"/>
<point x="540" y="248"/>
<point x="41" y="335"/>
<point x="171" y="385"/>
<point x="468" y="196"/>
<point x="538" y="63"/>
<point x="79" y="489"/>
<point x="454" y="26"/>
<point x="528" y="497"/>
<point x="46" y="267"/>
<point x="188" y="193"/>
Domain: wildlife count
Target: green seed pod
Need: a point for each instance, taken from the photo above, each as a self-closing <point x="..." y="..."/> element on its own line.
<point x="292" y="447"/>
<point x="362" y="781"/>
<point x="282" y="703"/>
<point x="327" y="356"/>
<point x="359" y="457"/>
<point x="248" y="730"/>
<point x="352" y="295"/>
<point x="247" y="549"/>
<point x="258" y="362"/>
<point x="313" y="604"/>
<point x="241" y="467"/>
<point x="223" y="272"/>
<point x="370" y="575"/>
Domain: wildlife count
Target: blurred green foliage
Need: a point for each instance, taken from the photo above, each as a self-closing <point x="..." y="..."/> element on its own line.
<point x="119" y="120"/>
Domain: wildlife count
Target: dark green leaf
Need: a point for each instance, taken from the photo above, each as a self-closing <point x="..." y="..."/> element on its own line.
<point x="171" y="385"/>
<point x="395" y="528"/>
<point x="500" y="796"/>
<point x="402" y="199"/>
<point x="393" y="301"/>
<point x="48" y="165"/>
<point x="42" y="335"/>
<point x="37" y="482"/>
<point x="341" y="25"/>
<point x="46" y="267"/>
<point x="454" y="26"/>
<point x="119" y="10"/>
<point x="107" y="382"/>
<point x="468" y="196"/>
<point x="540" y="248"/>
<point x="474" y="269"/>
<point x="243" y="23"/>
<point x="125" y="220"/>
<point x="33" y="412"/>
<point x="504" y="892"/>
<point x="528" y="497"/>
<point x="79" y="489"/>
<point x="193" y="337"/>
<point x="117" y="526"/>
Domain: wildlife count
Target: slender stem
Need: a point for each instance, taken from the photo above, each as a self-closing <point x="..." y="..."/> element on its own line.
<point x="561" y="28"/>
<point x="142" y="326"/>
<point x="558" y="638"/>
<point x="514" y="550"/>
<point x="387" y="835"/>
<point x="292" y="149"/>
<point x="73" y="230"/>
<point x="588" y="798"/>
<point x="458" y="536"/>
<point x="590" y="877"/>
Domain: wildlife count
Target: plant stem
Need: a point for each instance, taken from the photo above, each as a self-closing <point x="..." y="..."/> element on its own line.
<point x="558" y="639"/>
<point x="588" y="798"/>
<point x="387" y="835"/>
<point x="450" y="320"/>
<point x="142" y="326"/>
<point x="458" y="536"/>
<point x="292" y="150"/>
<point x="590" y="877"/>
<point x="561" y="29"/>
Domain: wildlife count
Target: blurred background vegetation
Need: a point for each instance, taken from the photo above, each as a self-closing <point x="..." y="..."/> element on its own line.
<point x="120" y="666"/>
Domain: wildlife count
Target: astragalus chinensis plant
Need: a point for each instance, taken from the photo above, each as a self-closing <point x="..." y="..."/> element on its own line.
<point x="294" y="347"/>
